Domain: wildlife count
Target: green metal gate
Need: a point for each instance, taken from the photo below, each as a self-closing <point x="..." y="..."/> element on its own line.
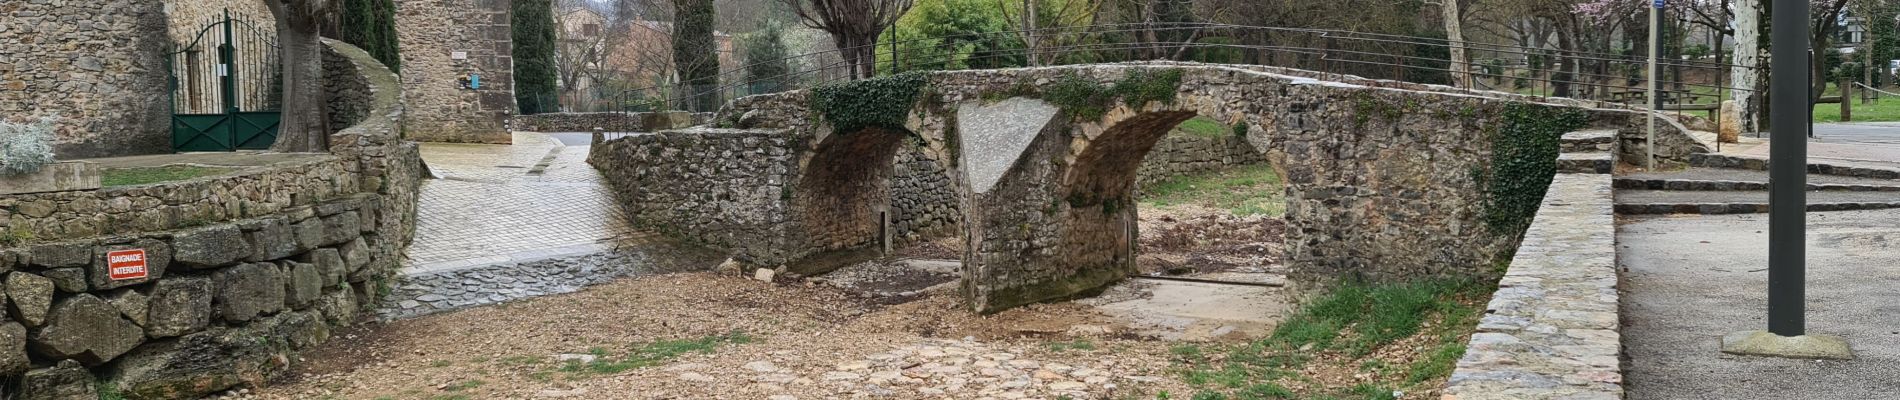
<point x="226" y="87"/>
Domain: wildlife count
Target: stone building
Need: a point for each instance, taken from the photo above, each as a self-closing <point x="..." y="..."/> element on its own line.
<point x="97" y="64"/>
<point x="457" y="69"/>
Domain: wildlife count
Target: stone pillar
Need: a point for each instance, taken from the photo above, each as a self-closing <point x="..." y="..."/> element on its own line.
<point x="98" y="64"/>
<point x="444" y="43"/>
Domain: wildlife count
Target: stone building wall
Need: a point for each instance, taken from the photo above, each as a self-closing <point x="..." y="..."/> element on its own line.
<point x="98" y="64"/>
<point x="431" y="33"/>
<point x="923" y="200"/>
<point x="241" y="270"/>
<point x="186" y="17"/>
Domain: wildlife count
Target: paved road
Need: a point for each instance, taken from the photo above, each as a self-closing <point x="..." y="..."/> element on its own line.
<point x="499" y="202"/>
<point x="1689" y="280"/>
<point x="1874" y="144"/>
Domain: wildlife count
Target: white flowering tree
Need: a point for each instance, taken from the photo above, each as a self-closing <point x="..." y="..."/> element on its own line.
<point x="25" y="147"/>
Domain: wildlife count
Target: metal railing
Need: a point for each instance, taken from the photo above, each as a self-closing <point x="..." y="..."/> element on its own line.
<point x="1615" y="78"/>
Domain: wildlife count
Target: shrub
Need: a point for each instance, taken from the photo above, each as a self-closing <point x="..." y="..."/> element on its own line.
<point x="24" y="147"/>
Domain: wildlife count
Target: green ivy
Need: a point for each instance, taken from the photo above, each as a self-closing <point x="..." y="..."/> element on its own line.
<point x="1240" y="129"/>
<point x="883" y="102"/>
<point x="1085" y="99"/>
<point x="1523" y="161"/>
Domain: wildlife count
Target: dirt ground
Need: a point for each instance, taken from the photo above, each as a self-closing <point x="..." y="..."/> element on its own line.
<point x="799" y="340"/>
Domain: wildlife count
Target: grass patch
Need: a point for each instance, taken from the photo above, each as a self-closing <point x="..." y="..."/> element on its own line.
<point x="149" y="175"/>
<point x="1078" y="344"/>
<point x="1245" y="190"/>
<point x="647" y="355"/>
<point x="1202" y="127"/>
<point x="1884" y="109"/>
<point x="1346" y="329"/>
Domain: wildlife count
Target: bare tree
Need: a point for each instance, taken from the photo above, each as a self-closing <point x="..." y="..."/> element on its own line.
<point x="854" y="26"/>
<point x="1455" y="38"/>
<point x="305" y="126"/>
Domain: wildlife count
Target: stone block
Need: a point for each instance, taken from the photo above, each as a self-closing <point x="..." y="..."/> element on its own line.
<point x="60" y="255"/>
<point x="67" y="380"/>
<point x="13" y="359"/>
<point x="179" y="305"/>
<point x="340" y="228"/>
<point x="338" y="307"/>
<point x="69" y="280"/>
<point x="329" y="264"/>
<point x="302" y="284"/>
<point x="210" y="247"/>
<point x="87" y="329"/>
<point x="158" y="255"/>
<point x="273" y="239"/>
<point x="55" y="177"/>
<point x="30" y="297"/>
<point x="132" y="303"/>
<point x="249" y="290"/>
<point x="355" y="255"/>
<point x="196" y="365"/>
<point x="309" y="234"/>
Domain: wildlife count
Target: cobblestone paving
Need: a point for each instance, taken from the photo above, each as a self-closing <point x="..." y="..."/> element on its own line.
<point x="1550" y="331"/>
<point x="494" y="201"/>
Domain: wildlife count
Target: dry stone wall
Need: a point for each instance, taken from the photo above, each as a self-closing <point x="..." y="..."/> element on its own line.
<point x="240" y="271"/>
<point x="1178" y="155"/>
<point x="97" y="64"/>
<point x="725" y="188"/>
<point x="609" y="121"/>
<point x="443" y="42"/>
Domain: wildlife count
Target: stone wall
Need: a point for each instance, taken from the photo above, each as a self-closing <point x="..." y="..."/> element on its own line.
<point x="241" y="270"/>
<point x="187" y="17"/>
<point x="610" y="121"/>
<point x="1179" y="155"/>
<point x="97" y="64"/>
<point x="923" y="199"/>
<point x="725" y="188"/>
<point x="431" y="33"/>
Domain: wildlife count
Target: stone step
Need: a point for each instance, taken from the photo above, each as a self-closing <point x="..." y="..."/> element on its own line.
<point x="1737" y="208"/>
<point x="1814" y="167"/>
<point x="1722" y="185"/>
<point x="1585" y="163"/>
<point x="1589" y="140"/>
<point x="1750" y="175"/>
<point x="1631" y="196"/>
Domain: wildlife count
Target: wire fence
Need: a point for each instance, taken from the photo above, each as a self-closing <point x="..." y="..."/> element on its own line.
<point x="1683" y="84"/>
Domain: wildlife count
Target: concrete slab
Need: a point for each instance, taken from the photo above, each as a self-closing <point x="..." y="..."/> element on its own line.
<point x="994" y="135"/>
<point x="1194" y="311"/>
<point x="1690" y="280"/>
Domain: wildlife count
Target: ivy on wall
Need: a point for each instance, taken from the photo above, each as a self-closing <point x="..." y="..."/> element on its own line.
<point x="883" y="102"/>
<point x="1523" y="162"/>
<point x="1085" y="99"/>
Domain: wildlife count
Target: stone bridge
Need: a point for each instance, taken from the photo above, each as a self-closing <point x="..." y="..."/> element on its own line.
<point x="1384" y="180"/>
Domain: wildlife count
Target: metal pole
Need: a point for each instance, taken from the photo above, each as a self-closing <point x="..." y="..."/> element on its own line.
<point x="1787" y="174"/>
<point x="1649" y="160"/>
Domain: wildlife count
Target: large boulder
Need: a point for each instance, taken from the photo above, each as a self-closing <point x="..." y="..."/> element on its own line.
<point x="133" y="303"/>
<point x="210" y="247"/>
<point x="199" y="364"/>
<point x="179" y="305"/>
<point x="302" y="284"/>
<point x="69" y="280"/>
<point x="329" y="264"/>
<point x="60" y="255"/>
<point x="355" y="255"/>
<point x="64" y="381"/>
<point x="31" y="295"/>
<point x="249" y="290"/>
<point x="340" y="228"/>
<point x="157" y="256"/>
<point x="87" y="329"/>
<point x="309" y="233"/>
<point x="338" y="307"/>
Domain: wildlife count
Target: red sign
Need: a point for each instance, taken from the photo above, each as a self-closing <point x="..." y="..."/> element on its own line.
<point x="125" y="264"/>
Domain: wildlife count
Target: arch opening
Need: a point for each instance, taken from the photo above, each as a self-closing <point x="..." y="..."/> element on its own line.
<point x="845" y="196"/>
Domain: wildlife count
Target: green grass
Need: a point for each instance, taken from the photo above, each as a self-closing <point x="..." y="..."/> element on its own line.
<point x="1245" y="190"/>
<point x="1203" y="127"/>
<point x="1078" y="344"/>
<point x="149" y="175"/>
<point x="1348" y="325"/>
<point x="649" y="354"/>
<point x="1885" y="109"/>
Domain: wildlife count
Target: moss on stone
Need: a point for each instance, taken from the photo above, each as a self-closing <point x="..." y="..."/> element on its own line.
<point x="1084" y="283"/>
<point x="883" y="102"/>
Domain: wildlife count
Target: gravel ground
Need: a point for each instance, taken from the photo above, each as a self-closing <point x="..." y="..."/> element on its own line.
<point x="789" y="340"/>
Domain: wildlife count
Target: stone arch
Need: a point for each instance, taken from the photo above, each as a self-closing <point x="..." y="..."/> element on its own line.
<point x="844" y="194"/>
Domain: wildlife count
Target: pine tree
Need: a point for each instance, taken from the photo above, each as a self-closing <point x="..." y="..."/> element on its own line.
<point x="695" y="54"/>
<point x="768" y="68"/>
<point x="371" y="25"/>
<point x="535" y="88"/>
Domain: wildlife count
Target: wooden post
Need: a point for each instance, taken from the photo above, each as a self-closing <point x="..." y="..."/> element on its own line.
<point x="1847" y="99"/>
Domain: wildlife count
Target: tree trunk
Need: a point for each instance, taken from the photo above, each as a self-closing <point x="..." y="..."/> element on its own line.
<point x="1566" y="62"/>
<point x="304" y="127"/>
<point x="1745" y="78"/>
<point x="1455" y="36"/>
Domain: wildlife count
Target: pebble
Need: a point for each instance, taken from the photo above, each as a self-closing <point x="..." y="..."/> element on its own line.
<point x="695" y="377"/>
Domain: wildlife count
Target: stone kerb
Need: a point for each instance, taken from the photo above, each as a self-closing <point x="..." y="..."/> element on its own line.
<point x="1551" y="331"/>
<point x="239" y="271"/>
